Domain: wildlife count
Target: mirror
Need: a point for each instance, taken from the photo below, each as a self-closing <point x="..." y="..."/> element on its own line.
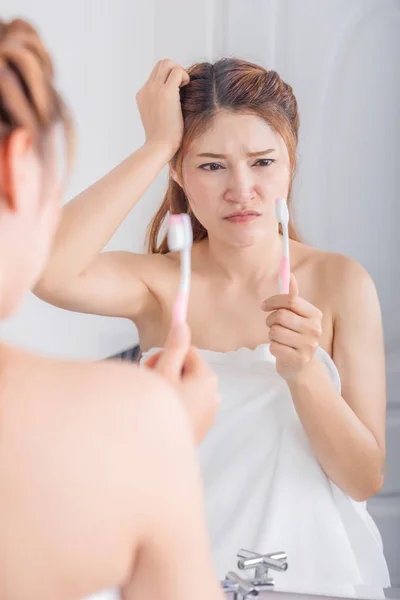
<point x="266" y="491"/>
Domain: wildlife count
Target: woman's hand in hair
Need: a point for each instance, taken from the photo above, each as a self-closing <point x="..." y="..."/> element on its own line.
<point x="183" y="366"/>
<point x="160" y="107"/>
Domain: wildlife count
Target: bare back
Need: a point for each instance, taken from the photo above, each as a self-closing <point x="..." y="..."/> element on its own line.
<point x="78" y="511"/>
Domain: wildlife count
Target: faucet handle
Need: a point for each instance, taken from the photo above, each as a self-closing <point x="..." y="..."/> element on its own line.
<point x="261" y="563"/>
<point x="276" y="561"/>
<point x="242" y="588"/>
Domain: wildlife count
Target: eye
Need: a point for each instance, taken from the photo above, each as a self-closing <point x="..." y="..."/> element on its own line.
<point x="264" y="162"/>
<point x="212" y="167"/>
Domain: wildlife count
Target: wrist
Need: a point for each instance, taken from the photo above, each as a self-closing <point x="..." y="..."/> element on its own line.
<point x="306" y="376"/>
<point x="161" y="150"/>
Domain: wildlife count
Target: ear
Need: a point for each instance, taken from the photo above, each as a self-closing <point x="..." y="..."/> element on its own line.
<point x="174" y="175"/>
<point x="18" y="162"/>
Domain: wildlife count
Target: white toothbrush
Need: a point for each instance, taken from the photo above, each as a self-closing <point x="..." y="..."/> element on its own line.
<point x="282" y="216"/>
<point x="180" y="239"/>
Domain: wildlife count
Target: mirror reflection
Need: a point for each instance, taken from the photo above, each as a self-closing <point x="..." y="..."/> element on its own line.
<point x="264" y="182"/>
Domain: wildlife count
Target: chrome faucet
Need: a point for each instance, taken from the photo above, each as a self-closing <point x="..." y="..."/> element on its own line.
<point x="240" y="587"/>
<point x="262" y="563"/>
<point x="244" y="588"/>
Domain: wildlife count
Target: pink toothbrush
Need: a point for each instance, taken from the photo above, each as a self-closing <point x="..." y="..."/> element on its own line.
<point x="180" y="239"/>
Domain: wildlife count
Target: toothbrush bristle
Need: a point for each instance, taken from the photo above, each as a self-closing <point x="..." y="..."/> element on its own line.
<point x="180" y="234"/>
<point x="281" y="211"/>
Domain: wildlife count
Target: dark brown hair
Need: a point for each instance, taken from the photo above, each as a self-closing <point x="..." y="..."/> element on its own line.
<point x="236" y="85"/>
<point x="28" y="98"/>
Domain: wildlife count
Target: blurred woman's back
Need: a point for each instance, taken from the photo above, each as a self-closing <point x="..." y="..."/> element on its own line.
<point x="85" y="448"/>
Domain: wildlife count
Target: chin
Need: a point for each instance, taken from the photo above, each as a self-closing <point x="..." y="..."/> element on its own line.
<point x="244" y="235"/>
<point x="246" y="239"/>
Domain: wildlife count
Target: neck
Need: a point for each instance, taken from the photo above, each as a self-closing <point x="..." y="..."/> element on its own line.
<point x="251" y="264"/>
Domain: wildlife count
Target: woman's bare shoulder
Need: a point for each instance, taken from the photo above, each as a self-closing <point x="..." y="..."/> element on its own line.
<point x="27" y="374"/>
<point x="155" y="260"/>
<point x="339" y="278"/>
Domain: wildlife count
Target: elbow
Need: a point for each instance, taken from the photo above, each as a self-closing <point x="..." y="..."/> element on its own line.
<point x="371" y="482"/>
<point x="49" y="288"/>
<point x="370" y="488"/>
<point x="44" y="290"/>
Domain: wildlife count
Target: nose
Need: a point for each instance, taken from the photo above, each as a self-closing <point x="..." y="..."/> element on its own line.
<point x="240" y="189"/>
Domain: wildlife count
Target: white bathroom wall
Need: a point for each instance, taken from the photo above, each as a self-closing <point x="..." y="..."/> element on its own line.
<point x="103" y="52"/>
<point x="340" y="56"/>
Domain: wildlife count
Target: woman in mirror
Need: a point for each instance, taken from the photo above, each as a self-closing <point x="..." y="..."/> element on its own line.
<point x="299" y="442"/>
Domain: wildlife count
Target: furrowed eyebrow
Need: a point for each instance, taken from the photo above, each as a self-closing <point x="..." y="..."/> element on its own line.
<point x="250" y="154"/>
